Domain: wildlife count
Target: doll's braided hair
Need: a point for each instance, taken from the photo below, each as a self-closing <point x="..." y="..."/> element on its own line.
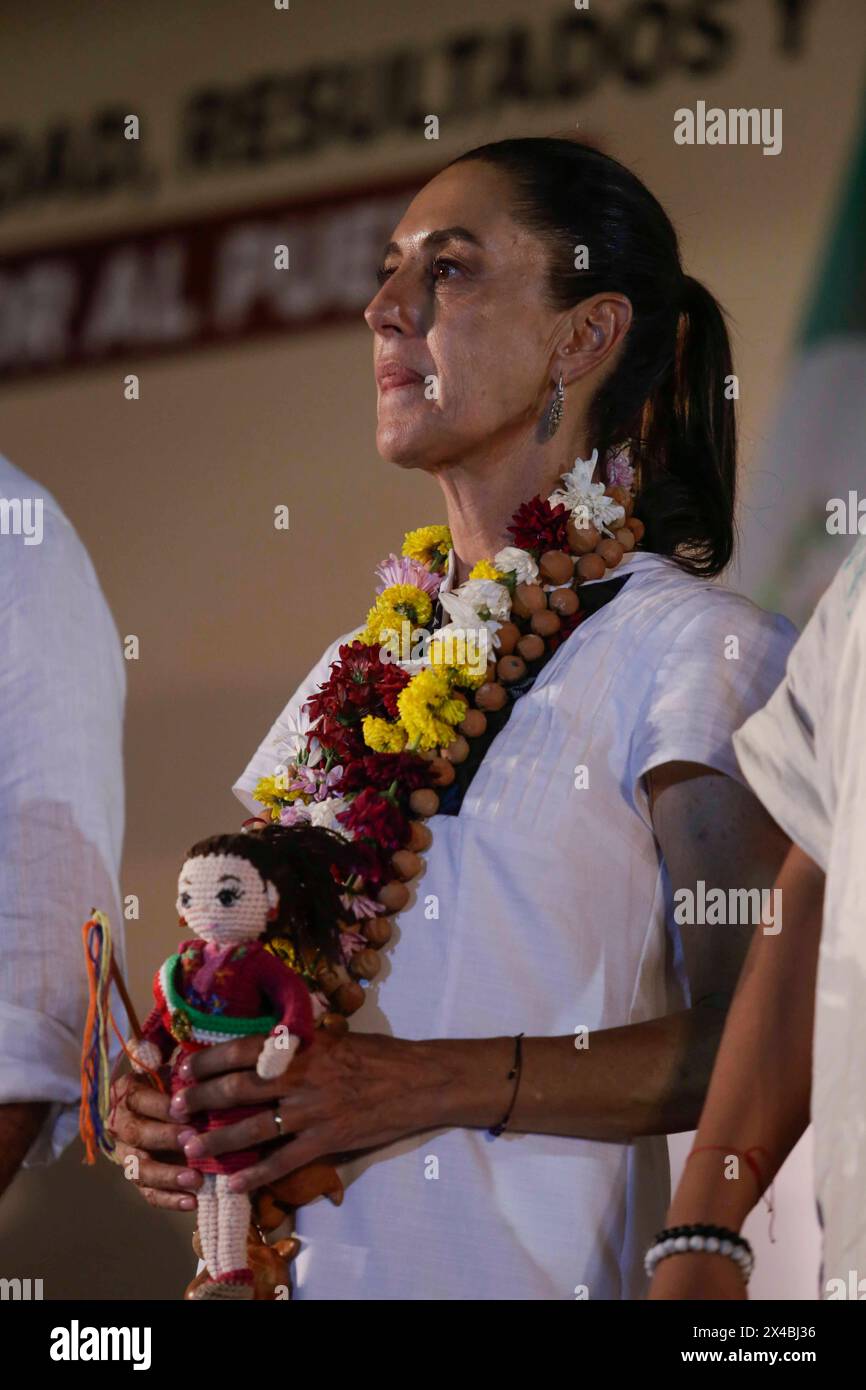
<point x="301" y="862"/>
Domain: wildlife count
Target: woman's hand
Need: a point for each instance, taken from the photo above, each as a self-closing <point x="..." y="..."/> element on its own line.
<point x="145" y="1132"/>
<point x="340" y="1094"/>
<point x="696" y="1276"/>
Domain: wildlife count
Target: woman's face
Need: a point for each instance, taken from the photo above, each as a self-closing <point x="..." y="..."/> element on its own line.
<point x="461" y="304"/>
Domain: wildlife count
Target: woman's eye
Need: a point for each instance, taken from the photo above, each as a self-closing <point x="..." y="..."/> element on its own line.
<point x="442" y="263"/>
<point x="227" y="897"/>
<point x="185" y="899"/>
<point x="440" y="269"/>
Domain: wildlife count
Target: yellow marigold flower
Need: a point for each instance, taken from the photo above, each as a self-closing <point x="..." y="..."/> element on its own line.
<point x="428" y="711"/>
<point x="485" y="569"/>
<point x="383" y="623"/>
<point x="427" y="543"/>
<point x="467" y="676"/>
<point x="407" y="600"/>
<point x="271" y="791"/>
<point x="398" y="604"/>
<point x="382" y="735"/>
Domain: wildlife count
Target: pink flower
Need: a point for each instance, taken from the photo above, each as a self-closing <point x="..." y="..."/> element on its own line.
<point x="351" y="942"/>
<point x="400" y="569"/>
<point x="360" y="906"/>
<point x="620" y="472"/>
<point x="315" y="782"/>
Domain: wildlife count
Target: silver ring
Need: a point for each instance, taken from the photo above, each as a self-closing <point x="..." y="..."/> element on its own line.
<point x="278" y="1119"/>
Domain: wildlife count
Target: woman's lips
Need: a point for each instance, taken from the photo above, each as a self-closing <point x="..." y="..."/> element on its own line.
<point x="401" y="376"/>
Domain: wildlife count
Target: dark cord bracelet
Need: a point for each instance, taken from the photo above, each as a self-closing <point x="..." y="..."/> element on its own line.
<point x="516" y="1071"/>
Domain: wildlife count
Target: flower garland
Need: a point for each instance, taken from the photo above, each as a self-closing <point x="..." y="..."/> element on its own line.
<point x="393" y="718"/>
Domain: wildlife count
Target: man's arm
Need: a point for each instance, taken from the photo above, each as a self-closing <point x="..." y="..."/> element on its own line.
<point x="759" y="1096"/>
<point x="20" y="1122"/>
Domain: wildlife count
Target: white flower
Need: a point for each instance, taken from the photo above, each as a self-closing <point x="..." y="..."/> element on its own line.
<point x="324" y="813"/>
<point x="587" y="501"/>
<point x="466" y="604"/>
<point x="513" y="560"/>
<point x="289" y="751"/>
<point x="464" y="616"/>
<point x="483" y="595"/>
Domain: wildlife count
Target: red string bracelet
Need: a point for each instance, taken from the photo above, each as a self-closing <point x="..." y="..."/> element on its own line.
<point x="746" y="1155"/>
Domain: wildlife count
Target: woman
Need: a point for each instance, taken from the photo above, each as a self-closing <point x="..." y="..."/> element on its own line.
<point x="527" y="276"/>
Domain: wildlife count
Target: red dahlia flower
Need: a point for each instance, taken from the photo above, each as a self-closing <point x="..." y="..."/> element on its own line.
<point x="376" y="818"/>
<point x="537" y="526"/>
<point x="379" y="770"/>
<point x="372" y="863"/>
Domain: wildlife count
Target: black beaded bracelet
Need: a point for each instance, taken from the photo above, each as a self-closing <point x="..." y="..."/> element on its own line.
<point x="516" y="1071"/>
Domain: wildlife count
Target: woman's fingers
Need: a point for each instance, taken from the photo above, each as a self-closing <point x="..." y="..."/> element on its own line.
<point x="140" y="1117"/>
<point x="145" y="1099"/>
<point x="146" y="1142"/>
<point x="223" y="1092"/>
<point x="246" y="1134"/>
<point x="283" y="1159"/>
<point x="236" y="1055"/>
<point x="169" y="1201"/>
<point x="162" y="1184"/>
<point x="132" y="1092"/>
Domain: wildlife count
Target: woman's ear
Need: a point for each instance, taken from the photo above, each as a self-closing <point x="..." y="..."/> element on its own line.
<point x="273" y="901"/>
<point x="593" y="331"/>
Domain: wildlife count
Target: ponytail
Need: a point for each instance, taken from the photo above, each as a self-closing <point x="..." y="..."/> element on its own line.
<point x="687" y="451"/>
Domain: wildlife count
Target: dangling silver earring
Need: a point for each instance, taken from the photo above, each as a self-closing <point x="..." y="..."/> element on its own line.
<point x="554" y="418"/>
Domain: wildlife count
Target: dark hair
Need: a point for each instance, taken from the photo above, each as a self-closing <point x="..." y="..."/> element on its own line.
<point x="297" y="859"/>
<point x="666" y="399"/>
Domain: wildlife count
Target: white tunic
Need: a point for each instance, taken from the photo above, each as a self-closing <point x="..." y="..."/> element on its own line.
<point x="541" y="910"/>
<point x="805" y="757"/>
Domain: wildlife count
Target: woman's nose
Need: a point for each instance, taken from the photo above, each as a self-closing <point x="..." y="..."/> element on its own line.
<point x="383" y="314"/>
<point x="396" y="307"/>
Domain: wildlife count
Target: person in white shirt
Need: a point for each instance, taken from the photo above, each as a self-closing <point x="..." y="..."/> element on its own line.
<point x="62" y="689"/>
<point x="546" y="904"/>
<point x="796" y="1036"/>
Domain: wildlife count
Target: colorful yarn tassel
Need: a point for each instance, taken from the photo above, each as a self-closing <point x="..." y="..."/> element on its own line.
<point x="95" y="1064"/>
<point x="102" y="973"/>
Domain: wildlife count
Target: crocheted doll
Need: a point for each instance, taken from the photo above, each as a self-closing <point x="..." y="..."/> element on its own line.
<point x="236" y="892"/>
